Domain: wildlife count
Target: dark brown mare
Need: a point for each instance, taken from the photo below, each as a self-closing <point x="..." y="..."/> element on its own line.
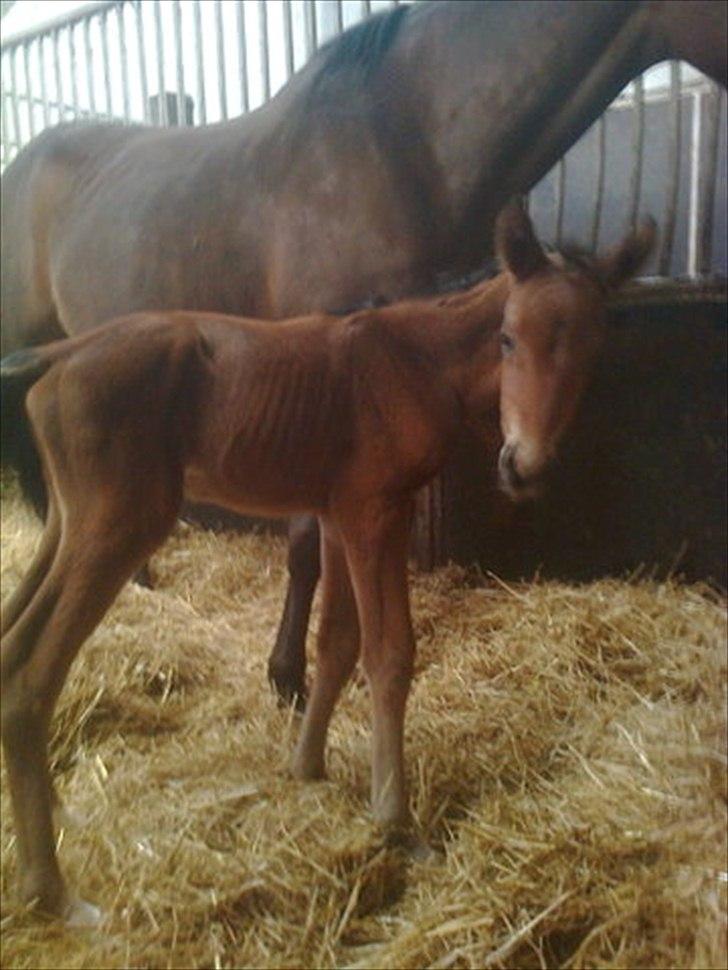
<point x="343" y="417"/>
<point x="378" y="167"/>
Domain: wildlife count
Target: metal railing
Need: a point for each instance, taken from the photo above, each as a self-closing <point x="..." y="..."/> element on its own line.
<point x="199" y="61"/>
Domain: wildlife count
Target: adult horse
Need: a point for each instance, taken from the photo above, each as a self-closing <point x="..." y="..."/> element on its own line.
<point x="380" y="165"/>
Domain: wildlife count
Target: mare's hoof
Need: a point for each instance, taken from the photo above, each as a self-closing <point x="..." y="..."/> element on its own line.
<point x="79" y="914"/>
<point x="292" y="695"/>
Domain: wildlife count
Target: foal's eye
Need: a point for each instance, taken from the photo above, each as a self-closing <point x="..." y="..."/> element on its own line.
<point x="507" y="344"/>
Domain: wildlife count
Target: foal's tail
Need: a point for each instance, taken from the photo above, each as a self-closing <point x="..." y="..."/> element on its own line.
<point x="19" y="371"/>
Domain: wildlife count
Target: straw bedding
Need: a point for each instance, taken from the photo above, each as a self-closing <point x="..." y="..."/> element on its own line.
<point x="566" y="749"/>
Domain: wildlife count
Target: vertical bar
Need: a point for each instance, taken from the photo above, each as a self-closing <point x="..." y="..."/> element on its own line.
<point x="560" y="200"/>
<point x="673" y="178"/>
<point x="5" y="131"/>
<point x="366" y="7"/>
<point x="124" y="61"/>
<point x="638" y="143"/>
<point x="201" y="99"/>
<point x="288" y="37"/>
<point x="89" y="65"/>
<point x="163" y="117"/>
<point x="181" y="100"/>
<point x="339" y="17"/>
<point x="29" y="89"/>
<point x="57" y="75"/>
<point x="708" y="175"/>
<point x="142" y="61"/>
<point x="74" y="70"/>
<point x="43" y="80"/>
<point x="103" y="26"/>
<point x="265" y="66"/>
<point x="310" y="22"/>
<point x="221" y="83"/>
<point x="599" y="199"/>
<point x="694" y="205"/>
<point x="243" y="54"/>
<point x="14" y="97"/>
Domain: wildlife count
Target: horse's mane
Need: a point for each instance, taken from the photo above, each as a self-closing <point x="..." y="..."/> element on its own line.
<point x="361" y="49"/>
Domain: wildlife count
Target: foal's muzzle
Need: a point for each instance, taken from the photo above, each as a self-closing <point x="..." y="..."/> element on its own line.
<point x="512" y="480"/>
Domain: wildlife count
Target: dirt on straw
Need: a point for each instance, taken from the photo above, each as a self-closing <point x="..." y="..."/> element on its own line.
<point x="567" y="757"/>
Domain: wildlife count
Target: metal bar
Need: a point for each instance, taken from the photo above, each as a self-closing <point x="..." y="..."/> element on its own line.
<point x="339" y="17"/>
<point x="74" y="71"/>
<point x="310" y="25"/>
<point x="288" y="37"/>
<point x="201" y="99"/>
<point x="243" y="55"/>
<point x="599" y="196"/>
<point x="638" y="145"/>
<point x="103" y="27"/>
<point x="43" y="81"/>
<point x="142" y="61"/>
<point x="5" y="131"/>
<point x="181" y="100"/>
<point x="694" y="204"/>
<point x="69" y="19"/>
<point x="560" y="200"/>
<point x="57" y="75"/>
<point x="221" y="83"/>
<point x="89" y="65"/>
<point x="12" y="56"/>
<point x="673" y="178"/>
<point x="124" y="61"/>
<point x="14" y="97"/>
<point x="366" y="7"/>
<point x="28" y="88"/>
<point x="263" y="34"/>
<point x="711" y="113"/>
<point x="163" y="117"/>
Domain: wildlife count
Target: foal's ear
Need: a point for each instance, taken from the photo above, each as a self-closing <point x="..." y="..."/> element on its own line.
<point x="515" y="243"/>
<point x="626" y="259"/>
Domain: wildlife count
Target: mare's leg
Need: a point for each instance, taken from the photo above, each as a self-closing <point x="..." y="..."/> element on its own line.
<point x="95" y="557"/>
<point x="337" y="652"/>
<point x="287" y="662"/>
<point x="376" y="542"/>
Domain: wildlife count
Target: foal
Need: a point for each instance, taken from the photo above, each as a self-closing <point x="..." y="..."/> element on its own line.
<point x="343" y="417"/>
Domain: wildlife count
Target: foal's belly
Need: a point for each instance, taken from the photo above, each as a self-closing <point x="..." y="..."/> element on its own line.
<point x="265" y="492"/>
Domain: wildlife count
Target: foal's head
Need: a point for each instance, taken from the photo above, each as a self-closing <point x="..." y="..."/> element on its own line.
<point x="553" y="326"/>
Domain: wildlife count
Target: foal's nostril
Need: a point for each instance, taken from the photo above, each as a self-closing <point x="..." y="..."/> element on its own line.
<point x="507" y="467"/>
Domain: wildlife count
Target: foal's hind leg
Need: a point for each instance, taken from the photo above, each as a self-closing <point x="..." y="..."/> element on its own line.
<point x="32" y="579"/>
<point x="94" y="560"/>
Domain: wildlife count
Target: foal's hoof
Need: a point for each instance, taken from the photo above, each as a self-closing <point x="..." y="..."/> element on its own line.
<point x="79" y="914"/>
<point x="68" y="818"/>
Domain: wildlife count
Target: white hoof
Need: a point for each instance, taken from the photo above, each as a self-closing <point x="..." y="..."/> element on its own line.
<point x="82" y="915"/>
<point x="68" y="818"/>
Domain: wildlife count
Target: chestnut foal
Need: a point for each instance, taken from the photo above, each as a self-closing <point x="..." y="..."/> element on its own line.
<point x="343" y="417"/>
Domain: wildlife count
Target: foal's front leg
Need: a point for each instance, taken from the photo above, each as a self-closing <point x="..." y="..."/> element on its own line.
<point x="337" y="652"/>
<point x="376" y="547"/>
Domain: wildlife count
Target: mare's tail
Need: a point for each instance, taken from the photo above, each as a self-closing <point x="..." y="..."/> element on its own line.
<point x="18" y="373"/>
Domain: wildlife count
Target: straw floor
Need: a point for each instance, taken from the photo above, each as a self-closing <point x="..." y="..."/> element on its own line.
<point x="566" y="752"/>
